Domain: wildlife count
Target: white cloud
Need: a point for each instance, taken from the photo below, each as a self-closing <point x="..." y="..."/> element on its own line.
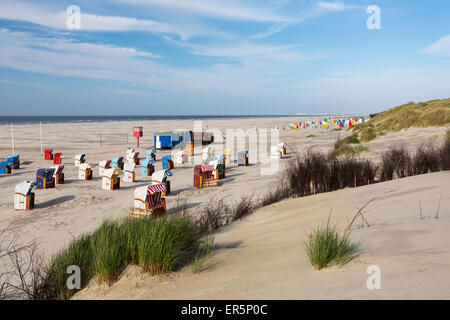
<point x="334" y="6"/>
<point x="440" y="47"/>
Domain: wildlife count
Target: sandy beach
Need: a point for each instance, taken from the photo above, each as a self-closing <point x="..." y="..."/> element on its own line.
<point x="77" y="207"/>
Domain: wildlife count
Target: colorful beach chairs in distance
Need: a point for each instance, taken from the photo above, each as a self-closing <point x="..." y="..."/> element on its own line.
<point x="14" y="160"/>
<point x="110" y="179"/>
<point x="160" y="177"/>
<point x="102" y="166"/>
<point x="203" y="176"/>
<point x="44" y="178"/>
<point x="85" y="171"/>
<point x="149" y="201"/>
<point x="80" y="159"/>
<point x="23" y="197"/>
<point x="128" y="173"/>
<point x="5" y="167"/>
<point x="117" y="163"/>
<point x="147" y="167"/>
<point x="58" y="174"/>
<point x="167" y="163"/>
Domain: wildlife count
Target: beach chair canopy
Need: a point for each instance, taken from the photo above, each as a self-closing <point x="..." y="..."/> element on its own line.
<point x="130" y="151"/>
<point x="105" y="163"/>
<point x="48" y="150"/>
<point x="151" y="194"/>
<point x="207" y="168"/>
<point x="207" y="149"/>
<point x="13" y="158"/>
<point x="167" y="158"/>
<point x="129" y="167"/>
<point x="243" y="154"/>
<point x="117" y="159"/>
<point x="110" y="172"/>
<point x="80" y="156"/>
<point x="25" y="187"/>
<point x="46" y="173"/>
<point x="147" y="163"/>
<point x="150" y="152"/>
<point x="160" y="175"/>
<point x="58" y="169"/>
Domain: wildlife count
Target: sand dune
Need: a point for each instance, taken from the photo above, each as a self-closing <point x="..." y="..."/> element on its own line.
<point x="263" y="258"/>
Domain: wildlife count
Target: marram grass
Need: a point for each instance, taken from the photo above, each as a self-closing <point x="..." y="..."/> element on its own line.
<point x="327" y="246"/>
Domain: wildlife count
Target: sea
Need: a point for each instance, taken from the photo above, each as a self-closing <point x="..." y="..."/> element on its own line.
<point x="20" y="120"/>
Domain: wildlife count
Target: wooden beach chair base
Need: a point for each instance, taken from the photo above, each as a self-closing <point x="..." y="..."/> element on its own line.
<point x="142" y="213"/>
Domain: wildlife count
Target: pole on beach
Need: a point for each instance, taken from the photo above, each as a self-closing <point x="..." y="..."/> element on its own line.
<point x="100" y="139"/>
<point x="12" y="137"/>
<point x="40" y="134"/>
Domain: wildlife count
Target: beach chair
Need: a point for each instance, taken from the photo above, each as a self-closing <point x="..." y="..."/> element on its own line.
<point x="150" y="154"/>
<point x="149" y="201"/>
<point x="110" y="179"/>
<point x="117" y="163"/>
<point x="243" y="158"/>
<point x="128" y="174"/>
<point x="58" y="175"/>
<point x="23" y="197"/>
<point x="48" y="154"/>
<point x="147" y="168"/>
<point x="80" y="159"/>
<point x="14" y="160"/>
<point x="85" y="171"/>
<point x="181" y="157"/>
<point x="218" y="161"/>
<point x="160" y="177"/>
<point x="203" y="177"/>
<point x="102" y="166"/>
<point x="5" y="167"/>
<point x="57" y="158"/>
<point x="167" y="162"/>
<point x="132" y="156"/>
<point x="44" y="178"/>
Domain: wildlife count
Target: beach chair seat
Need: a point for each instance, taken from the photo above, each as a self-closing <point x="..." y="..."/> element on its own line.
<point x="128" y="174"/>
<point x="102" y="166"/>
<point x="110" y="179"/>
<point x="44" y="178"/>
<point x="149" y="201"/>
<point x="58" y="175"/>
<point x="80" y="159"/>
<point x="23" y="197"/>
<point x="14" y="160"/>
<point x="5" y="167"/>
<point x="243" y="158"/>
<point x="85" y="171"/>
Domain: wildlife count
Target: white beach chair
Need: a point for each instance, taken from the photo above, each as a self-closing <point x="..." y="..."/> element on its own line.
<point x="128" y="174"/>
<point x="110" y="179"/>
<point x="23" y="197"/>
<point x="84" y="171"/>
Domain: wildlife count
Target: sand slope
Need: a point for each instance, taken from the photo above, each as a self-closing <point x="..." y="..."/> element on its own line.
<point x="263" y="258"/>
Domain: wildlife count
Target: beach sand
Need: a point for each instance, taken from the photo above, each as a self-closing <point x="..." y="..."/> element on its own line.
<point x="78" y="206"/>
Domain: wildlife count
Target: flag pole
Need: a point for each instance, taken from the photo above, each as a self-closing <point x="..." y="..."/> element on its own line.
<point x="40" y="134"/>
<point x="12" y="137"/>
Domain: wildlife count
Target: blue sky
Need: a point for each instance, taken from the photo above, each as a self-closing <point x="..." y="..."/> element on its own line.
<point x="221" y="56"/>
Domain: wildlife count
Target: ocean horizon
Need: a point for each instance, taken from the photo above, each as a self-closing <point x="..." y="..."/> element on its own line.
<point x="6" y="120"/>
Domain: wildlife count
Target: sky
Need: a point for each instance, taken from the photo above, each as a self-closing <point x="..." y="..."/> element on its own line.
<point x="220" y="57"/>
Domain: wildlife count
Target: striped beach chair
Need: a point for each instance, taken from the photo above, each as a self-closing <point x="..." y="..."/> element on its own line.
<point x="203" y="176"/>
<point x="149" y="201"/>
<point x="160" y="177"/>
